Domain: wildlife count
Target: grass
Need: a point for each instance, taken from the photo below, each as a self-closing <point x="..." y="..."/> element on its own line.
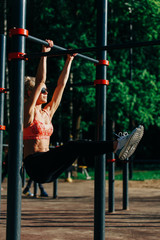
<point x="144" y="175"/>
<point x="138" y="175"/>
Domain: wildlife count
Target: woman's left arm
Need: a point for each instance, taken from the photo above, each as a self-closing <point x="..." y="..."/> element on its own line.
<point x="62" y="81"/>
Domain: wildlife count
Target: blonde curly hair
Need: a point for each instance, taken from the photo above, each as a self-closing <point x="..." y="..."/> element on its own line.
<point x="29" y="83"/>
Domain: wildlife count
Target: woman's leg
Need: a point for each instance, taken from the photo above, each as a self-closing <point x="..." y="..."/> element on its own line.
<point x="87" y="147"/>
<point x="46" y="167"/>
<point x="49" y="165"/>
<point x="63" y="157"/>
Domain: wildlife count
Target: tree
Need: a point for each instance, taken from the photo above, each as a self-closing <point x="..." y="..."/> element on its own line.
<point x="67" y="24"/>
<point x="73" y="25"/>
<point x="133" y="101"/>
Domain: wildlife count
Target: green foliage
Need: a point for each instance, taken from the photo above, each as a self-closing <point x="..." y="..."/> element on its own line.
<point x="133" y="97"/>
<point x="134" y="101"/>
<point x="137" y="175"/>
<point x="141" y="175"/>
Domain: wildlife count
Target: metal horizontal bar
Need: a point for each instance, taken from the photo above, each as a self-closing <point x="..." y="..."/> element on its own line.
<point x="131" y="45"/>
<point x="87" y="84"/>
<point x="65" y="51"/>
<point x="61" y="51"/>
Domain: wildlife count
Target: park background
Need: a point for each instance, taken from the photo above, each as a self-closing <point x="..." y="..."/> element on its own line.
<point x="133" y="95"/>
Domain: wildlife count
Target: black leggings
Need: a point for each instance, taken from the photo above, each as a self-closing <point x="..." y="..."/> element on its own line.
<point x="44" y="167"/>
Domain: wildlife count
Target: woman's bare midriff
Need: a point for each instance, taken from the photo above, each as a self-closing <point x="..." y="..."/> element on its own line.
<point x="32" y="146"/>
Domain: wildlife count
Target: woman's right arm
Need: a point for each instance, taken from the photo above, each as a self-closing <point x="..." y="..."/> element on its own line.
<point x="42" y="68"/>
<point x="40" y="76"/>
<point x="40" y="81"/>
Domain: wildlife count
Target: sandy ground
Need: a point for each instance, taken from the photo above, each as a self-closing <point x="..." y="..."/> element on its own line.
<point x="71" y="215"/>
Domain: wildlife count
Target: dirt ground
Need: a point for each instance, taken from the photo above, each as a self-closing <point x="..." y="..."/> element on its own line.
<point x="71" y="215"/>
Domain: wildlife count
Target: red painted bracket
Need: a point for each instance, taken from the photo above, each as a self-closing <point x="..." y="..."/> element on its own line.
<point x="2" y="127"/>
<point x="111" y="160"/>
<point x="3" y="90"/>
<point x="17" y="55"/>
<point x="101" y="81"/>
<point x="102" y="62"/>
<point x="18" y="31"/>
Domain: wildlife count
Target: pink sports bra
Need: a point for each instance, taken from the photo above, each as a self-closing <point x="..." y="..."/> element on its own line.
<point x="38" y="129"/>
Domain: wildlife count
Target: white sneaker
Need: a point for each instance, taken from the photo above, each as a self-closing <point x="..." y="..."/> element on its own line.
<point x="127" y="144"/>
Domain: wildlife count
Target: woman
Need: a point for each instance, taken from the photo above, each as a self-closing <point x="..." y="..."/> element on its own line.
<point x="44" y="165"/>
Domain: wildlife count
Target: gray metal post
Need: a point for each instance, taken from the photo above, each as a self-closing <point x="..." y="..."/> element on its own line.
<point x="2" y="84"/>
<point x="55" y="188"/>
<point x="100" y="162"/>
<point x="55" y="182"/>
<point x="35" y="189"/>
<point x="125" y="185"/>
<point x="111" y="180"/>
<point x="23" y="177"/>
<point x="16" y="124"/>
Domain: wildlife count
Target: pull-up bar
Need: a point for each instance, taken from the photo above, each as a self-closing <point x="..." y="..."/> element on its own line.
<point x="61" y="51"/>
<point x="37" y="40"/>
